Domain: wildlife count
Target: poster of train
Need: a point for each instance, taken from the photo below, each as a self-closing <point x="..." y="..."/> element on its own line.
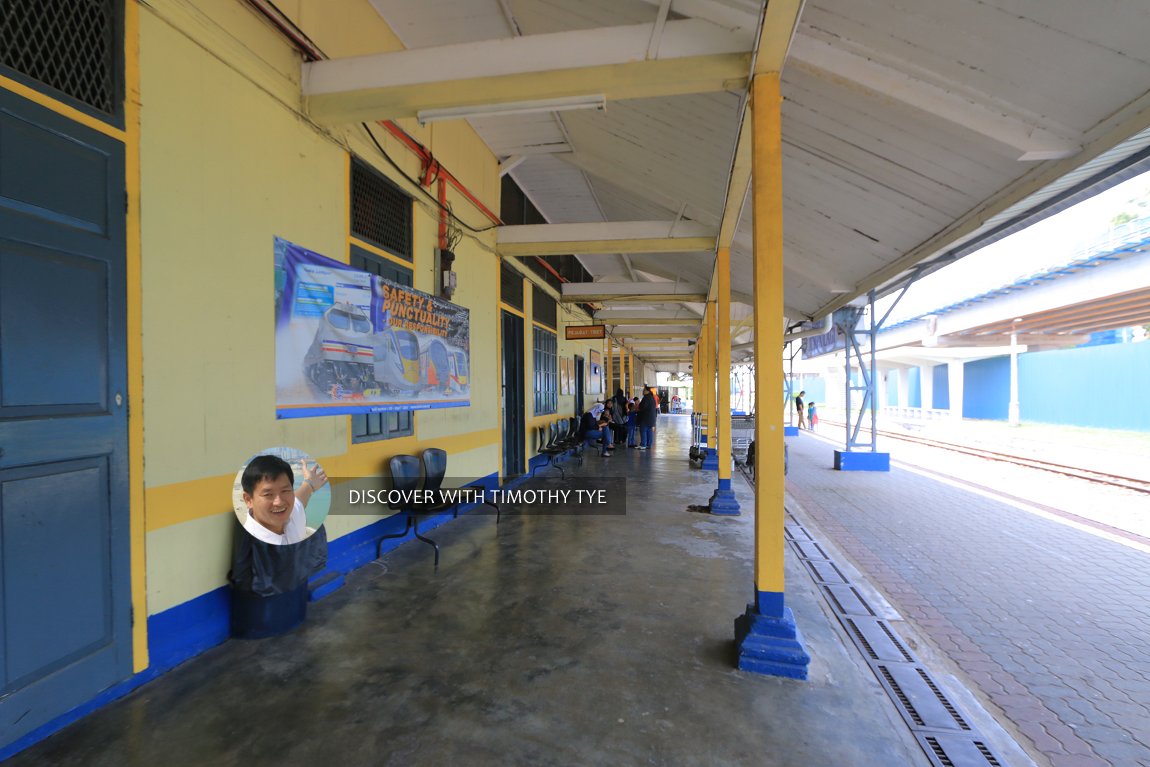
<point x="352" y="342"/>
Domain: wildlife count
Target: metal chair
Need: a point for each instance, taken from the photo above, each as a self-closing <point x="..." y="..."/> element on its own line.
<point x="405" y="473"/>
<point x="546" y="446"/>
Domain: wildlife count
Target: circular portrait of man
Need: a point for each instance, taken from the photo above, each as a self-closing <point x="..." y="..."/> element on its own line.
<point x="281" y="495"/>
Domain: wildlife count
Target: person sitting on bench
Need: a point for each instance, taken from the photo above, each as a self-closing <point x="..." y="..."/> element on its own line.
<point x="596" y="424"/>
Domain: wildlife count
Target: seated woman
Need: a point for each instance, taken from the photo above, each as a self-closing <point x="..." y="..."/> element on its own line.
<point x="596" y="424"/>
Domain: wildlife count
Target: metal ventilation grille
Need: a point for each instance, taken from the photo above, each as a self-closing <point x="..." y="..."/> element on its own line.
<point x="511" y="287"/>
<point x="67" y="44"/>
<point x="543" y="308"/>
<point x="380" y="213"/>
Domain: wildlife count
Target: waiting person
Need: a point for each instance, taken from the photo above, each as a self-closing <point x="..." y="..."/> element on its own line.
<point x="632" y="421"/>
<point x="275" y="509"/>
<point x="621" y="401"/>
<point x="596" y="424"/>
<point x="800" y="409"/>
<point x="812" y="416"/>
<point x="646" y="420"/>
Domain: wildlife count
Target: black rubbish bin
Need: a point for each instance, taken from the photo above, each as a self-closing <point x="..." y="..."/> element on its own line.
<point x="269" y="583"/>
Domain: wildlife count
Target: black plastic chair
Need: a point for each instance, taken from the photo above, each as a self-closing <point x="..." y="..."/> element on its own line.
<point x="405" y="471"/>
<point x="567" y="439"/>
<point x="546" y="446"/>
<point x="434" y="468"/>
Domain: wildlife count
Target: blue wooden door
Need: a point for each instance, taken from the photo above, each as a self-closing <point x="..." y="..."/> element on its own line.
<point x="65" y="620"/>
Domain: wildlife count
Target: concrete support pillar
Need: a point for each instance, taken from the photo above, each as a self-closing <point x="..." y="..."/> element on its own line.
<point x="704" y="381"/>
<point x="766" y="636"/>
<point x="723" y="500"/>
<point x="903" y="387"/>
<point x="926" y="386"/>
<point x="609" y="373"/>
<point x="954" y="375"/>
<point x="715" y="424"/>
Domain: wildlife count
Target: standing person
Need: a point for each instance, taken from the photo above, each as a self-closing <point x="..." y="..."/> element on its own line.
<point x="618" y="413"/>
<point x="799" y="407"/>
<point x="621" y="402"/>
<point x="812" y="416"/>
<point x="646" y="421"/>
<point x="632" y="421"/>
<point x="658" y="407"/>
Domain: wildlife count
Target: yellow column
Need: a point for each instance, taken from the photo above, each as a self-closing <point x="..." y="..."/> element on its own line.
<point x="708" y="353"/>
<point x="704" y="381"/>
<point x="723" y="501"/>
<point x="767" y="639"/>
<point x="609" y="373"/>
<point x="767" y="199"/>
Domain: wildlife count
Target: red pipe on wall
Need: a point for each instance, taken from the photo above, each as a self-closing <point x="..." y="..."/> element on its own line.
<point x="429" y="161"/>
<point x="310" y="52"/>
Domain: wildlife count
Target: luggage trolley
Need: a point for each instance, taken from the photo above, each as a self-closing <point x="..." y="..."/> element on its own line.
<point x="698" y="424"/>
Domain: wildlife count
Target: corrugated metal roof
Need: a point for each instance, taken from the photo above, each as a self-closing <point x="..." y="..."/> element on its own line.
<point x="882" y="168"/>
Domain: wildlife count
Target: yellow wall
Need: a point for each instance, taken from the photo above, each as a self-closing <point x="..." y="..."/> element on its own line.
<point x="228" y="162"/>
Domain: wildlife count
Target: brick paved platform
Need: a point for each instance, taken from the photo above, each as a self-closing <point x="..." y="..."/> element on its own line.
<point x="1047" y="623"/>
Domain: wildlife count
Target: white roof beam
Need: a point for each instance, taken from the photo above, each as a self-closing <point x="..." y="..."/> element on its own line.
<point x="694" y="57"/>
<point x="511" y="163"/>
<point x="1029" y="139"/>
<point x="720" y="14"/>
<point x="779" y="20"/>
<point x="605" y="237"/>
<point x="632" y="297"/>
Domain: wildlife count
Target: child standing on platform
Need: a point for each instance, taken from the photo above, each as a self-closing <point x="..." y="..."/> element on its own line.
<point x="812" y="416"/>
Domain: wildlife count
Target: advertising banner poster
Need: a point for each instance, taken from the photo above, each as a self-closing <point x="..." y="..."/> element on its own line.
<point x="351" y="342"/>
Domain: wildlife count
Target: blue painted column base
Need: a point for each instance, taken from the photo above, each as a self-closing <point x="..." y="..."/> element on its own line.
<point x="769" y="645"/>
<point x="851" y="461"/>
<point x="790" y="431"/>
<point x="711" y="458"/>
<point x="723" y="500"/>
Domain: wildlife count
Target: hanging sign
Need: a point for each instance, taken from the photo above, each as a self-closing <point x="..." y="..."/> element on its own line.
<point x="580" y="332"/>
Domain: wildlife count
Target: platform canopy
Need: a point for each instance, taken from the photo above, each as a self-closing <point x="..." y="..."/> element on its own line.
<point x="911" y="132"/>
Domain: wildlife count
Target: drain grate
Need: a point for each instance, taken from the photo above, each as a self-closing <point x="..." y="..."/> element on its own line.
<point x="824" y="571"/>
<point x="877" y="641"/>
<point x="810" y="550"/>
<point x="846" y="600"/>
<point x="943" y="733"/>
<point x="958" y="751"/>
<point x="797" y="533"/>
<point x="922" y="704"/>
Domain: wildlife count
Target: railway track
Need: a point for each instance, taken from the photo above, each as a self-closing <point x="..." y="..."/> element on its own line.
<point x="1090" y="475"/>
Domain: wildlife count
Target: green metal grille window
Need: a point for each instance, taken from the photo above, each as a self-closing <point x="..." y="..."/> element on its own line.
<point x="546" y="346"/>
<point x="70" y="45"/>
<point x="380" y="213"/>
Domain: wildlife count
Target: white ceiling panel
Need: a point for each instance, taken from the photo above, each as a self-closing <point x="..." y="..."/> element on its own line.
<point x="882" y="167"/>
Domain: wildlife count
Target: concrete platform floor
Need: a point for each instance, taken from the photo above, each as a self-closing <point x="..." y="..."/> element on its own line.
<point x="548" y="640"/>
